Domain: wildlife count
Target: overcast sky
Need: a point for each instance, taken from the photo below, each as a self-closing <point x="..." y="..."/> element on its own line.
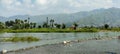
<point x="38" y="7"/>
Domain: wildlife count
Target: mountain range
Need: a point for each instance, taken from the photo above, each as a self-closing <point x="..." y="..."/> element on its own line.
<point x="96" y="17"/>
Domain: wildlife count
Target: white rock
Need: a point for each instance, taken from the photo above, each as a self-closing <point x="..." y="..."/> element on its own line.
<point x="64" y="42"/>
<point x="4" y="51"/>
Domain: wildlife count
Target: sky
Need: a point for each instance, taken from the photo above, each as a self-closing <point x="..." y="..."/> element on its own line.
<point x="42" y="7"/>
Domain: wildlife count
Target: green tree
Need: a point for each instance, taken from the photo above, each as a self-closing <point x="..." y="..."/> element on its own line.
<point x="58" y="26"/>
<point x="106" y="26"/>
<point x="19" y="24"/>
<point x="7" y="23"/>
<point x="52" y="23"/>
<point x="16" y="26"/>
<point x="2" y="25"/>
<point x="45" y="25"/>
<point x="17" y="21"/>
<point x="63" y="26"/>
<point x="25" y="21"/>
<point x="28" y="20"/>
<point x="31" y="25"/>
<point x="39" y="26"/>
<point x="34" y="25"/>
<point x="27" y="26"/>
<point x="75" y="25"/>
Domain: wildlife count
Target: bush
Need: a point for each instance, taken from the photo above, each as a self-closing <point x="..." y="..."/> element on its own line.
<point x="22" y="39"/>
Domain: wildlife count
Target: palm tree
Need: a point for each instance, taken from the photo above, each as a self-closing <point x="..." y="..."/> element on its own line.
<point x="7" y="23"/>
<point x="28" y="20"/>
<point x="47" y="21"/>
<point x="52" y="23"/>
<point x="106" y="26"/>
<point x="63" y="26"/>
<point x="44" y="25"/>
<point x="58" y="25"/>
<point x="25" y="21"/>
<point x="27" y="25"/>
<point x="34" y="25"/>
<point x="17" y="21"/>
<point x="17" y="24"/>
<point x="31" y="25"/>
<point x="75" y="25"/>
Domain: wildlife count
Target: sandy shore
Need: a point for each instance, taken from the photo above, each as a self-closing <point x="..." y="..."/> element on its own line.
<point x="58" y="48"/>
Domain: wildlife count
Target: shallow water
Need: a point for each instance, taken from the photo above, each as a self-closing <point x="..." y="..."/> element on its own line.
<point x="88" y="47"/>
<point x="49" y="38"/>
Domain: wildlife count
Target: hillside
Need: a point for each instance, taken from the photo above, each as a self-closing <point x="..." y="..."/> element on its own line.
<point x="110" y="16"/>
<point x="95" y="17"/>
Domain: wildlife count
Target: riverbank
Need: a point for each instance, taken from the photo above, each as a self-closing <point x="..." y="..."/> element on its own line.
<point x="49" y="30"/>
<point x="55" y="30"/>
<point x="64" y="43"/>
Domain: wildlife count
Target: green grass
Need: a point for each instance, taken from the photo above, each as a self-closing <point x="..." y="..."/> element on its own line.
<point x="21" y="39"/>
<point x="111" y="29"/>
<point x="50" y="30"/>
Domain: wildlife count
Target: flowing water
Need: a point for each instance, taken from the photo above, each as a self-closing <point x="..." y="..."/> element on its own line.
<point x="53" y="38"/>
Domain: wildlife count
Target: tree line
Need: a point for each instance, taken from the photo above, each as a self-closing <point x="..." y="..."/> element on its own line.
<point x="26" y="24"/>
<point x="19" y="24"/>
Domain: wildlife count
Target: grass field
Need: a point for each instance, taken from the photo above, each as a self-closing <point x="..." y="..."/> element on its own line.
<point x="50" y="30"/>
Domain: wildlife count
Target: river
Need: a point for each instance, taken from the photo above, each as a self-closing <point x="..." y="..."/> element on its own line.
<point x="53" y="38"/>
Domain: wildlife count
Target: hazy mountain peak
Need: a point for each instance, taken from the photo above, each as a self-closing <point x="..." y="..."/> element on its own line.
<point x="97" y="16"/>
<point x="19" y="16"/>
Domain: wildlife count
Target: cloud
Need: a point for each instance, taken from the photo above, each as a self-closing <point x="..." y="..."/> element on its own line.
<point x="7" y="2"/>
<point x="41" y="2"/>
<point x="36" y="7"/>
<point x="116" y="3"/>
<point x="93" y="3"/>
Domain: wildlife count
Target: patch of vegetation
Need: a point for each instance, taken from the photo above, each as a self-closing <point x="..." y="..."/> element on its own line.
<point x="51" y="30"/>
<point x="89" y="30"/>
<point x="21" y="39"/>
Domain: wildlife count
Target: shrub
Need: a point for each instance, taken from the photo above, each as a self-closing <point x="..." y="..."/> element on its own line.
<point x="22" y="39"/>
